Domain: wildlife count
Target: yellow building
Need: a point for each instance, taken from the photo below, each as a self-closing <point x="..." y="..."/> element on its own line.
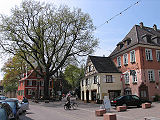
<point x="102" y="78"/>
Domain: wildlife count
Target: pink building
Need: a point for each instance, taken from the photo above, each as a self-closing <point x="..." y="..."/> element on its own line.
<point x="138" y="58"/>
<point x="32" y="85"/>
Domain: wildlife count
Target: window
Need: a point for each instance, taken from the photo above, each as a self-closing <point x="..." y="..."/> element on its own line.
<point x="82" y="82"/>
<point x="125" y="59"/>
<point x="50" y="83"/>
<point x="121" y="46"/>
<point x="89" y="68"/>
<point x="86" y="81"/>
<point x="148" y="54"/>
<point x="95" y="79"/>
<point x="34" y="83"/>
<point x="134" y="77"/>
<point x="119" y="61"/>
<point x="126" y="77"/>
<point x="151" y="75"/>
<point x="128" y="41"/>
<point x="29" y="82"/>
<point x="158" y="55"/>
<point x="109" y="79"/>
<point x="29" y="92"/>
<point x="42" y="83"/>
<point x="132" y="56"/>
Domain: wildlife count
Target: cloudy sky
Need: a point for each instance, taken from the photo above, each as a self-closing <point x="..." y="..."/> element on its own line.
<point x="146" y="11"/>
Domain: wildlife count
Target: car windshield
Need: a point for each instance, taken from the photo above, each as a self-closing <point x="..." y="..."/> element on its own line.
<point x="117" y="98"/>
<point x="12" y="104"/>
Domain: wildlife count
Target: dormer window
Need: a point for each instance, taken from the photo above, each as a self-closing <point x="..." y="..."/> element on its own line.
<point x="128" y="41"/>
<point x="156" y="39"/>
<point x="147" y="38"/>
<point x="121" y="46"/>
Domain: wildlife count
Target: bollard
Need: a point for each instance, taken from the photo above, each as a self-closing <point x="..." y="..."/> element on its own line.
<point x="109" y="116"/>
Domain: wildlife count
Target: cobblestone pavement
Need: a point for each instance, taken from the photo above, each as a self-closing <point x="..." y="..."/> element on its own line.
<point x="86" y="111"/>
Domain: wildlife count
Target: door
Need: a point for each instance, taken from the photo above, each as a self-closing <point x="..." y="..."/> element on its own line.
<point x="82" y="95"/>
<point x="87" y="96"/>
<point x="93" y="95"/>
<point x="143" y="92"/>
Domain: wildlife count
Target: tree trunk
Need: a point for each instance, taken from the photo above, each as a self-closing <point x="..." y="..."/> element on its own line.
<point x="46" y="87"/>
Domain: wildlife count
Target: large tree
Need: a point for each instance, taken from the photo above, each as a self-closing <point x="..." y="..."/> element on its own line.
<point x="48" y="35"/>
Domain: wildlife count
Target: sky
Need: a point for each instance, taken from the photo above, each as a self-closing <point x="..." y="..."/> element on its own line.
<point x="109" y="34"/>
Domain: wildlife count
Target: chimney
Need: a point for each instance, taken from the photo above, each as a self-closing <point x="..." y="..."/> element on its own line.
<point x="155" y="27"/>
<point x="141" y="24"/>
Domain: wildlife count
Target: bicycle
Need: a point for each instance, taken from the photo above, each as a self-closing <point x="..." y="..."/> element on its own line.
<point x="72" y="105"/>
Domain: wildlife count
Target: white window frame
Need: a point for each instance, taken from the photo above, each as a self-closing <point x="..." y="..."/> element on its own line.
<point x="125" y="59"/>
<point x="151" y="74"/>
<point x="42" y="83"/>
<point x="29" y="91"/>
<point x="148" y="53"/>
<point x="134" y="78"/>
<point x="126" y="78"/>
<point x="119" y="61"/>
<point x="158" y="55"/>
<point x="132" y="56"/>
<point x="109" y="79"/>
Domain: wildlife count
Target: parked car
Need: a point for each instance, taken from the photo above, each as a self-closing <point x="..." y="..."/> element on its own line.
<point x="3" y="114"/>
<point x="23" y="106"/>
<point x="128" y="100"/>
<point x="2" y="97"/>
<point x="8" y="110"/>
<point x="15" y="107"/>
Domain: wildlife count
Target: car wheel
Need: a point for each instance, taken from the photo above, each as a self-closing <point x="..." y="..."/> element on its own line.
<point x="125" y="105"/>
<point x="138" y="106"/>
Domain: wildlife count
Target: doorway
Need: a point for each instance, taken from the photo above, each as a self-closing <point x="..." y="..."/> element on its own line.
<point x="143" y="92"/>
<point x="87" y="96"/>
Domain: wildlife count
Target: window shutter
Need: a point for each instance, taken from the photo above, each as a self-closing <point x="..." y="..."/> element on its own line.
<point x="104" y="78"/>
<point x="113" y="79"/>
<point x="151" y="54"/>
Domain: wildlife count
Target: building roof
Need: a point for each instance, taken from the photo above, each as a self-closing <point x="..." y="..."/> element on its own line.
<point x="136" y="35"/>
<point x="104" y="64"/>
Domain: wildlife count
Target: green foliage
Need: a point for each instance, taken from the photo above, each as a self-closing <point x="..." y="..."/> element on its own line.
<point x="73" y="75"/>
<point x="13" y="70"/>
